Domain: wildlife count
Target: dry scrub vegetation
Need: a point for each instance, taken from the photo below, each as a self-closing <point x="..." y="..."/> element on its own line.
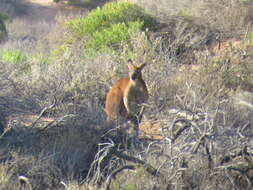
<point x="197" y="128"/>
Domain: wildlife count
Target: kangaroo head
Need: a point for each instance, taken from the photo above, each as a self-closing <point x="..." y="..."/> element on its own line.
<point x="135" y="71"/>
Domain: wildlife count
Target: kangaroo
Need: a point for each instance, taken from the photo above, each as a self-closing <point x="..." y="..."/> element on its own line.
<point x="124" y="98"/>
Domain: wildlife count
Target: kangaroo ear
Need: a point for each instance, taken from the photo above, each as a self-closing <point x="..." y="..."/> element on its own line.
<point x="130" y="65"/>
<point x="142" y="66"/>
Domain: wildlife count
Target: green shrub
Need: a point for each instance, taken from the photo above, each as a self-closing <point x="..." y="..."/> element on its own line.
<point x="113" y="35"/>
<point x="3" y="31"/>
<point x="250" y="37"/>
<point x="109" y="25"/>
<point x="14" y="56"/>
<point x="17" y="58"/>
<point x="113" y="13"/>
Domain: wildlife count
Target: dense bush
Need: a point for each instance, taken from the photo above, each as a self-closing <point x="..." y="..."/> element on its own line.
<point x="250" y="37"/>
<point x="13" y="57"/>
<point x="3" y="31"/>
<point x="17" y="58"/>
<point x="110" y="25"/>
<point x="199" y="114"/>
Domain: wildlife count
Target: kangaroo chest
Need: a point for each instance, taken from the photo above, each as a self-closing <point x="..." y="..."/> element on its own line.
<point x="136" y="94"/>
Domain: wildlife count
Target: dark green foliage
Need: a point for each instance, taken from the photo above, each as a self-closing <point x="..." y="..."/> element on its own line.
<point x="3" y="30"/>
<point x="110" y="25"/>
<point x="17" y="58"/>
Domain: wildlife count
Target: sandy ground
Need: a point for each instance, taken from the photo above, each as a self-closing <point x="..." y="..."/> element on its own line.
<point x="42" y="2"/>
<point x="47" y="10"/>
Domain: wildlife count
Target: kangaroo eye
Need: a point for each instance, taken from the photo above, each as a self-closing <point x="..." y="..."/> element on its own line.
<point x="135" y="75"/>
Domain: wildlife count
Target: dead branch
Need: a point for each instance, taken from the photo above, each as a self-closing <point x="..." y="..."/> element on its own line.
<point x="201" y="141"/>
<point x="64" y="185"/>
<point x="230" y="178"/>
<point x="101" y="172"/>
<point x="150" y="169"/>
<point x="242" y="173"/>
<point x="95" y="174"/>
<point x="43" y="112"/>
<point x="25" y="181"/>
<point x="49" y="125"/>
<point x="176" y="173"/>
<point x="56" y="122"/>
<point x="208" y="152"/>
<point x="241" y="129"/>
<point x="8" y="128"/>
<point x="183" y="127"/>
<point x="115" y="172"/>
<point x="188" y="115"/>
<point x="243" y="152"/>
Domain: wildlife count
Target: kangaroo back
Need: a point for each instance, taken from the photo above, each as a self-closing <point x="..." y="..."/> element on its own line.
<point x="114" y="105"/>
<point x="123" y="99"/>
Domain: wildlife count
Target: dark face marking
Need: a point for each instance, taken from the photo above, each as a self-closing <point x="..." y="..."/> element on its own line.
<point x="136" y="74"/>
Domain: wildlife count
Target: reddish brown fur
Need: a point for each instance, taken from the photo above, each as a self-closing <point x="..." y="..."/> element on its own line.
<point x="114" y="104"/>
<point x="135" y="91"/>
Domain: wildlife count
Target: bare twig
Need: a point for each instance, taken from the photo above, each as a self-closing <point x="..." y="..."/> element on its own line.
<point x="25" y="181"/>
<point x="43" y="112"/>
<point x="8" y="128"/>
<point x="64" y="185"/>
<point x="200" y="141"/>
<point x="176" y="173"/>
<point x="48" y="125"/>
<point x="210" y="160"/>
<point x="150" y="169"/>
<point x="108" y="151"/>
<point x="115" y="172"/>
<point x="240" y="129"/>
<point x="56" y="122"/>
<point x="95" y="175"/>
<point x="243" y="173"/>
<point x="184" y="126"/>
<point x="230" y="178"/>
<point x="242" y="152"/>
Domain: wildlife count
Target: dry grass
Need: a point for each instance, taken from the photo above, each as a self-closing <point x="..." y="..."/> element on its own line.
<point x="199" y="114"/>
<point x="48" y="154"/>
